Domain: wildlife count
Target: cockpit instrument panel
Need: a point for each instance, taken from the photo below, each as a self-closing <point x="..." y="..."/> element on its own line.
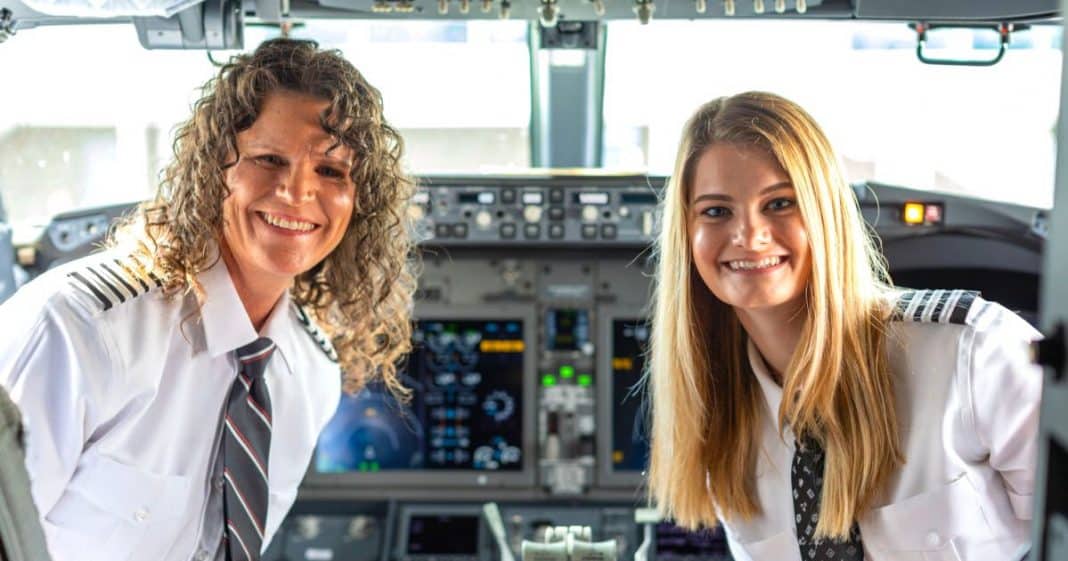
<point x="630" y="445"/>
<point x="466" y="414"/>
<point x="567" y="329"/>
<point x="678" y="544"/>
<point x="623" y="336"/>
<point x="441" y="532"/>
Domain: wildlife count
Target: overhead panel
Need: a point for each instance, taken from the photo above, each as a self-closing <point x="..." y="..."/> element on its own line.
<point x="214" y="24"/>
<point x="578" y="9"/>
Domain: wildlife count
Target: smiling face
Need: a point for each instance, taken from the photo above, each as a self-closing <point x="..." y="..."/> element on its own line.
<point x="291" y="197"/>
<point x="748" y="240"/>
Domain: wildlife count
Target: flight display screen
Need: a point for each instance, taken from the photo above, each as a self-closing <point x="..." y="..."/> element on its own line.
<point x="678" y="544"/>
<point x="630" y="444"/>
<point x="465" y="413"/>
<point x="567" y="329"/>
<point x="444" y="534"/>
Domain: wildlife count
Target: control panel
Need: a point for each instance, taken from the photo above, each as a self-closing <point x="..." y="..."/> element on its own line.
<point x="568" y="212"/>
<point x="435" y="531"/>
<point x="466" y="410"/>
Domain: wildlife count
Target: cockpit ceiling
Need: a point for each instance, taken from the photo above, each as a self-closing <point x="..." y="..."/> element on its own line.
<point x="992" y="11"/>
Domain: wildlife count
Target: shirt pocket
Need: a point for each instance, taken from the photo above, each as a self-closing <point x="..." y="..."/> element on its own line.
<point x="930" y="526"/>
<point x="779" y="547"/>
<point x="113" y="511"/>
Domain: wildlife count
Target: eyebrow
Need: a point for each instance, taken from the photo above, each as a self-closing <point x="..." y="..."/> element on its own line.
<point x="764" y="191"/>
<point x="339" y="160"/>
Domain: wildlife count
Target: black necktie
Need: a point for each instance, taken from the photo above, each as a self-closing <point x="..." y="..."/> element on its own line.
<point x="246" y="447"/>
<point x="807" y="482"/>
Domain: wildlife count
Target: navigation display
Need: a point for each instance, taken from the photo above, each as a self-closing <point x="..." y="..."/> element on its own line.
<point x="678" y="544"/>
<point x="630" y="445"/>
<point x="455" y="534"/>
<point x="567" y="329"/>
<point x="465" y="412"/>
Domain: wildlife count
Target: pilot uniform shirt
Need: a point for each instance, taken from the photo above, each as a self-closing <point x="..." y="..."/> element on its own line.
<point x="123" y="391"/>
<point x="968" y="409"/>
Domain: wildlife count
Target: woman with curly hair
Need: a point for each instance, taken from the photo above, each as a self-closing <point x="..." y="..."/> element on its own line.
<point x="174" y="385"/>
<point x="799" y="398"/>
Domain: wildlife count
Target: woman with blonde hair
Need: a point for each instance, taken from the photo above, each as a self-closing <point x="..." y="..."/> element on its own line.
<point x="174" y="385"/>
<point x="799" y="399"/>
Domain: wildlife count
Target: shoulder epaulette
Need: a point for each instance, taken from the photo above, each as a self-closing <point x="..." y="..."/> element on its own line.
<point x="113" y="281"/>
<point x="935" y="306"/>
<point x="316" y="334"/>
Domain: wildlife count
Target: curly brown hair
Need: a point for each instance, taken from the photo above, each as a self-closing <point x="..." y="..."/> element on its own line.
<point x="361" y="294"/>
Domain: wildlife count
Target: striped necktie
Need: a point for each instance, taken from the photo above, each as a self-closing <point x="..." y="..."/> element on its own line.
<point x="246" y="447"/>
<point x="807" y="483"/>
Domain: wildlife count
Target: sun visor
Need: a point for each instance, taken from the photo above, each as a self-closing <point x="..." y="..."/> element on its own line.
<point x="956" y="10"/>
<point x="110" y="8"/>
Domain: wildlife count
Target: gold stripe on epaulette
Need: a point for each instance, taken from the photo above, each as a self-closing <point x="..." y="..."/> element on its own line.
<point x="934" y="306"/>
<point x="316" y="334"/>
<point x="112" y="282"/>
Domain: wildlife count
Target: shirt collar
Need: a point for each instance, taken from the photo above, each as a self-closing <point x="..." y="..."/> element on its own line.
<point x="280" y="328"/>
<point x="772" y="391"/>
<point x="226" y="323"/>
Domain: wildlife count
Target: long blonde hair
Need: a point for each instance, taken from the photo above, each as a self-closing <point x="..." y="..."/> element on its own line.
<point x="360" y="294"/>
<point x="707" y="405"/>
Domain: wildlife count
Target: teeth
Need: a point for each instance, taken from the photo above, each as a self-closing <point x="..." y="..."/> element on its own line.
<point x="751" y="265"/>
<point x="287" y="224"/>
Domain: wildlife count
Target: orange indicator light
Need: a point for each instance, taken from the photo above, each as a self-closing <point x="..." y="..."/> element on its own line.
<point x="913" y="213"/>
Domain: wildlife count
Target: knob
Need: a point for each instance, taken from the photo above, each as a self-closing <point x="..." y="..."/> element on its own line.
<point x="644" y="10"/>
<point x="532" y="213"/>
<point x="589" y="213"/>
<point x="483" y="219"/>
<point x="548" y="13"/>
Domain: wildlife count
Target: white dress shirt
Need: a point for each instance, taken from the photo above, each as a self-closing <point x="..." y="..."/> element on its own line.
<point x="968" y="404"/>
<point x="122" y="391"/>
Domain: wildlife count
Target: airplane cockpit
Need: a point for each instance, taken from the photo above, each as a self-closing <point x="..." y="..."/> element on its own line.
<point x="541" y="134"/>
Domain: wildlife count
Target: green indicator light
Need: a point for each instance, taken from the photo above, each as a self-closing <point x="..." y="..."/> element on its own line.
<point x="374" y="466"/>
<point x="585" y="380"/>
<point x="548" y="380"/>
<point x="363" y="466"/>
<point x="567" y="371"/>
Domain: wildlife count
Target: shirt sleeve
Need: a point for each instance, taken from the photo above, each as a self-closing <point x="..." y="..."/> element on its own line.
<point x="1006" y="391"/>
<point x="54" y="364"/>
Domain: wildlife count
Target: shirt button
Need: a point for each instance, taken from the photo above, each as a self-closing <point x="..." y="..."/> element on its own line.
<point x="202" y="555"/>
<point x="933" y="539"/>
<point x="141" y="515"/>
<point x="218" y="483"/>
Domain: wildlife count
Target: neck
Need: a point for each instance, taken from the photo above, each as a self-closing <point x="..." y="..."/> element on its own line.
<point x="258" y="293"/>
<point x="775" y="332"/>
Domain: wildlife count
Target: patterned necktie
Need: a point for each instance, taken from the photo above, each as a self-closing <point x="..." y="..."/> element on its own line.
<point x="246" y="447"/>
<point x="807" y="482"/>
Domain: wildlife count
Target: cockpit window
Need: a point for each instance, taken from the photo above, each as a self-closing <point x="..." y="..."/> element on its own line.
<point x="984" y="132"/>
<point x="93" y="116"/>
